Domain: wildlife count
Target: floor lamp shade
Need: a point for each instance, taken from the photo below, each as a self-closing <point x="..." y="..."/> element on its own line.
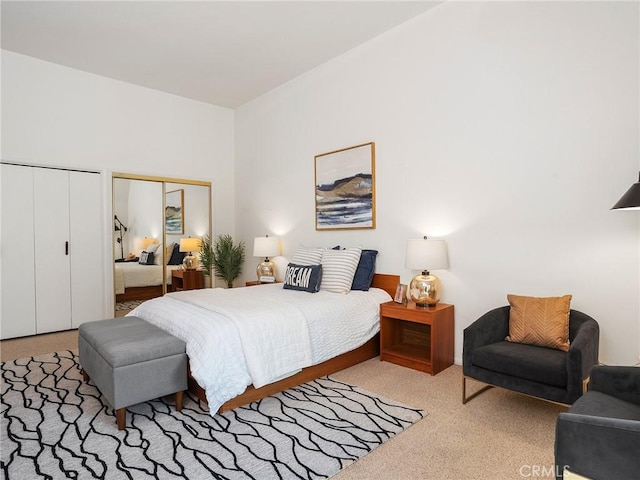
<point x="188" y="246"/>
<point x="266" y="247"/>
<point x="426" y="254"/>
<point x="630" y="200"/>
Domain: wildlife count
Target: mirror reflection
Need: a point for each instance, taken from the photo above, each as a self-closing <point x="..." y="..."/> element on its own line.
<point x="155" y="224"/>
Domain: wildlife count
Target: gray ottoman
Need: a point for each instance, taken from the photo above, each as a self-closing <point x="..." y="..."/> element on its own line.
<point x="132" y="361"/>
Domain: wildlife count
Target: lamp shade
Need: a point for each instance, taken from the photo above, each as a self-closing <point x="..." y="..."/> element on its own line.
<point x="141" y="244"/>
<point x="266" y="247"/>
<point x="630" y="200"/>
<point x="426" y="254"/>
<point x="190" y="244"/>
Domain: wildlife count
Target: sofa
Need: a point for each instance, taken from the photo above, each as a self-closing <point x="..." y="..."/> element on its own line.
<point x="599" y="436"/>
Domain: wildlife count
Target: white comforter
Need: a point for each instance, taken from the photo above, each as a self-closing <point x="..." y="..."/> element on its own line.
<point x="257" y="335"/>
<point x="132" y="274"/>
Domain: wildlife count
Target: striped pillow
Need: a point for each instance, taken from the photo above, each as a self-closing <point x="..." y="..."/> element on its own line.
<point x="338" y="269"/>
<point x="308" y="255"/>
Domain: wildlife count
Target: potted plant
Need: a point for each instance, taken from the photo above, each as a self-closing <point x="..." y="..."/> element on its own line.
<point x="224" y="257"/>
<point x="206" y="258"/>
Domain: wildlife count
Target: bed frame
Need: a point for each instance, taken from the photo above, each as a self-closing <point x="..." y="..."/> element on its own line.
<point x="139" y="293"/>
<point x="365" y="352"/>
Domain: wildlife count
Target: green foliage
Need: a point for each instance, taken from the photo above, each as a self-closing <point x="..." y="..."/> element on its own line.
<point x="226" y="258"/>
<point x="206" y="254"/>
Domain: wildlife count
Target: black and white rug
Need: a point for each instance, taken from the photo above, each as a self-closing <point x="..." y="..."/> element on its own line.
<point x="56" y="426"/>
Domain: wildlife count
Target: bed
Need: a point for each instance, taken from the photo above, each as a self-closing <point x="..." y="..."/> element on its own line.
<point x="134" y="281"/>
<point x="251" y="342"/>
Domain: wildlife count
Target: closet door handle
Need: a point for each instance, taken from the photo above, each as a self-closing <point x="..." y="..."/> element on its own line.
<point x="66" y="247"/>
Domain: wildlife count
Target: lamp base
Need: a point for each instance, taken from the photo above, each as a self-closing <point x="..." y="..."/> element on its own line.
<point x="190" y="262"/>
<point x="266" y="271"/>
<point x="425" y="289"/>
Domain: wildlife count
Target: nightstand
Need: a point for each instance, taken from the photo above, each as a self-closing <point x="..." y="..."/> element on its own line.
<point x="186" y="280"/>
<point x="257" y="282"/>
<point x="417" y="337"/>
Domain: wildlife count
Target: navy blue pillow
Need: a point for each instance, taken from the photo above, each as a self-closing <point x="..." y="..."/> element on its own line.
<point x="365" y="270"/>
<point x="305" y="278"/>
<point x="146" y="258"/>
<point x="176" y="255"/>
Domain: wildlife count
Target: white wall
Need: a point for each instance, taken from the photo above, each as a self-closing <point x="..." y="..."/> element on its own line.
<point x="509" y="129"/>
<point x="54" y="115"/>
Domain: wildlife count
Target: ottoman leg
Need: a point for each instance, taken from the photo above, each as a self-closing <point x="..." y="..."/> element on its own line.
<point x="179" y="400"/>
<point x="121" y="415"/>
<point x="85" y="375"/>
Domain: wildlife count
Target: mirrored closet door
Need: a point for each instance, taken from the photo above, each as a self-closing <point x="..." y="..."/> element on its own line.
<point x="152" y="216"/>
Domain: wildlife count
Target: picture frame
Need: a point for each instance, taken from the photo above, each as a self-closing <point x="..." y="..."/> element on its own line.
<point x="174" y="212"/>
<point x="401" y="293"/>
<point x="345" y="188"/>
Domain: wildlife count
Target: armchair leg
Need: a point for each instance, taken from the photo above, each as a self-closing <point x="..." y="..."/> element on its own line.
<point x="465" y="399"/>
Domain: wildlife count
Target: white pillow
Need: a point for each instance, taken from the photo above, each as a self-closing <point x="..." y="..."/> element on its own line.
<point x="338" y="269"/>
<point x="158" y="254"/>
<point x="152" y="247"/>
<point x="308" y="255"/>
<point x="168" y="251"/>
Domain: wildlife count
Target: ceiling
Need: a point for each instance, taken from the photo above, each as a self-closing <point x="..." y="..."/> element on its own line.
<point x="220" y="52"/>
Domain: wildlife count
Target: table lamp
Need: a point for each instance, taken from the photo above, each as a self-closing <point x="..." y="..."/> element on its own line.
<point x="188" y="246"/>
<point x="426" y="254"/>
<point x="266" y="247"/>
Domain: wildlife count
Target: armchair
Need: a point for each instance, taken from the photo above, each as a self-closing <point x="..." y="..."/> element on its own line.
<point x="541" y="372"/>
<point x="599" y="436"/>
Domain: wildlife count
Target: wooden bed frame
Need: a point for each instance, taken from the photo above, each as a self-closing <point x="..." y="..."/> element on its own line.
<point x="360" y="354"/>
<point x="139" y="293"/>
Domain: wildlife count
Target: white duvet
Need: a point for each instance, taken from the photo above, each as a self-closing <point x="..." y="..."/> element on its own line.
<point x="132" y="274"/>
<point x="257" y="335"/>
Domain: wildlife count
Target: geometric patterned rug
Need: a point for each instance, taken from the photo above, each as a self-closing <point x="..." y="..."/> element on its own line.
<point x="54" y="425"/>
<point x="128" y="305"/>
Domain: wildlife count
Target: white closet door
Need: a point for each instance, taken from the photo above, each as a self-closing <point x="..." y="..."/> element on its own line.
<point x="53" y="289"/>
<point x="87" y="278"/>
<point x="18" y="311"/>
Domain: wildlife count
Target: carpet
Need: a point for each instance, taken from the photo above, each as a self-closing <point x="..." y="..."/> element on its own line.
<point x="54" y="426"/>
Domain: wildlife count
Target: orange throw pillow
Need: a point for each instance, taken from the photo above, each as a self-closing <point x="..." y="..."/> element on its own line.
<point x="539" y="321"/>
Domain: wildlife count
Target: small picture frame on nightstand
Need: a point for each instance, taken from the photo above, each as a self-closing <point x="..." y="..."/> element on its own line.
<point x="401" y="293"/>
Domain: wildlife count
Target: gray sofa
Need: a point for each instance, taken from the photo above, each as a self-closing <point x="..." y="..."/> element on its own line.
<point x="599" y="436"/>
<point x="541" y="372"/>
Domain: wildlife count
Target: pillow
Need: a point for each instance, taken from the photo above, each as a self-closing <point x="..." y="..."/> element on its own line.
<point x="307" y="255"/>
<point x="539" y="321"/>
<point x="146" y="258"/>
<point x="152" y="247"/>
<point x="338" y="269"/>
<point x="176" y="256"/>
<point x="305" y="278"/>
<point x="365" y="270"/>
<point x="168" y="251"/>
<point x="158" y="255"/>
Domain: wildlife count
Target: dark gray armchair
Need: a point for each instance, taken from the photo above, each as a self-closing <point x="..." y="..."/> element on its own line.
<point x="541" y="372"/>
<point x="599" y="437"/>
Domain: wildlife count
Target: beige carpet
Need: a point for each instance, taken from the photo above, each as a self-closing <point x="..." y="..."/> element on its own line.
<point x="498" y="435"/>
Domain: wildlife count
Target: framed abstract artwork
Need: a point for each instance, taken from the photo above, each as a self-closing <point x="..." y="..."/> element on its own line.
<point x="345" y="188"/>
<point x="174" y="211"/>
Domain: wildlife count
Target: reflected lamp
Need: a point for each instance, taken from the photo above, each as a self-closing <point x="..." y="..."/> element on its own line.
<point x="188" y="246"/>
<point x="426" y="254"/>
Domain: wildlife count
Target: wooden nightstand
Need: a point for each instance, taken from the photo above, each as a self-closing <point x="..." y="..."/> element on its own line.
<point x="417" y="337"/>
<point x="257" y="282"/>
<point x="186" y="280"/>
